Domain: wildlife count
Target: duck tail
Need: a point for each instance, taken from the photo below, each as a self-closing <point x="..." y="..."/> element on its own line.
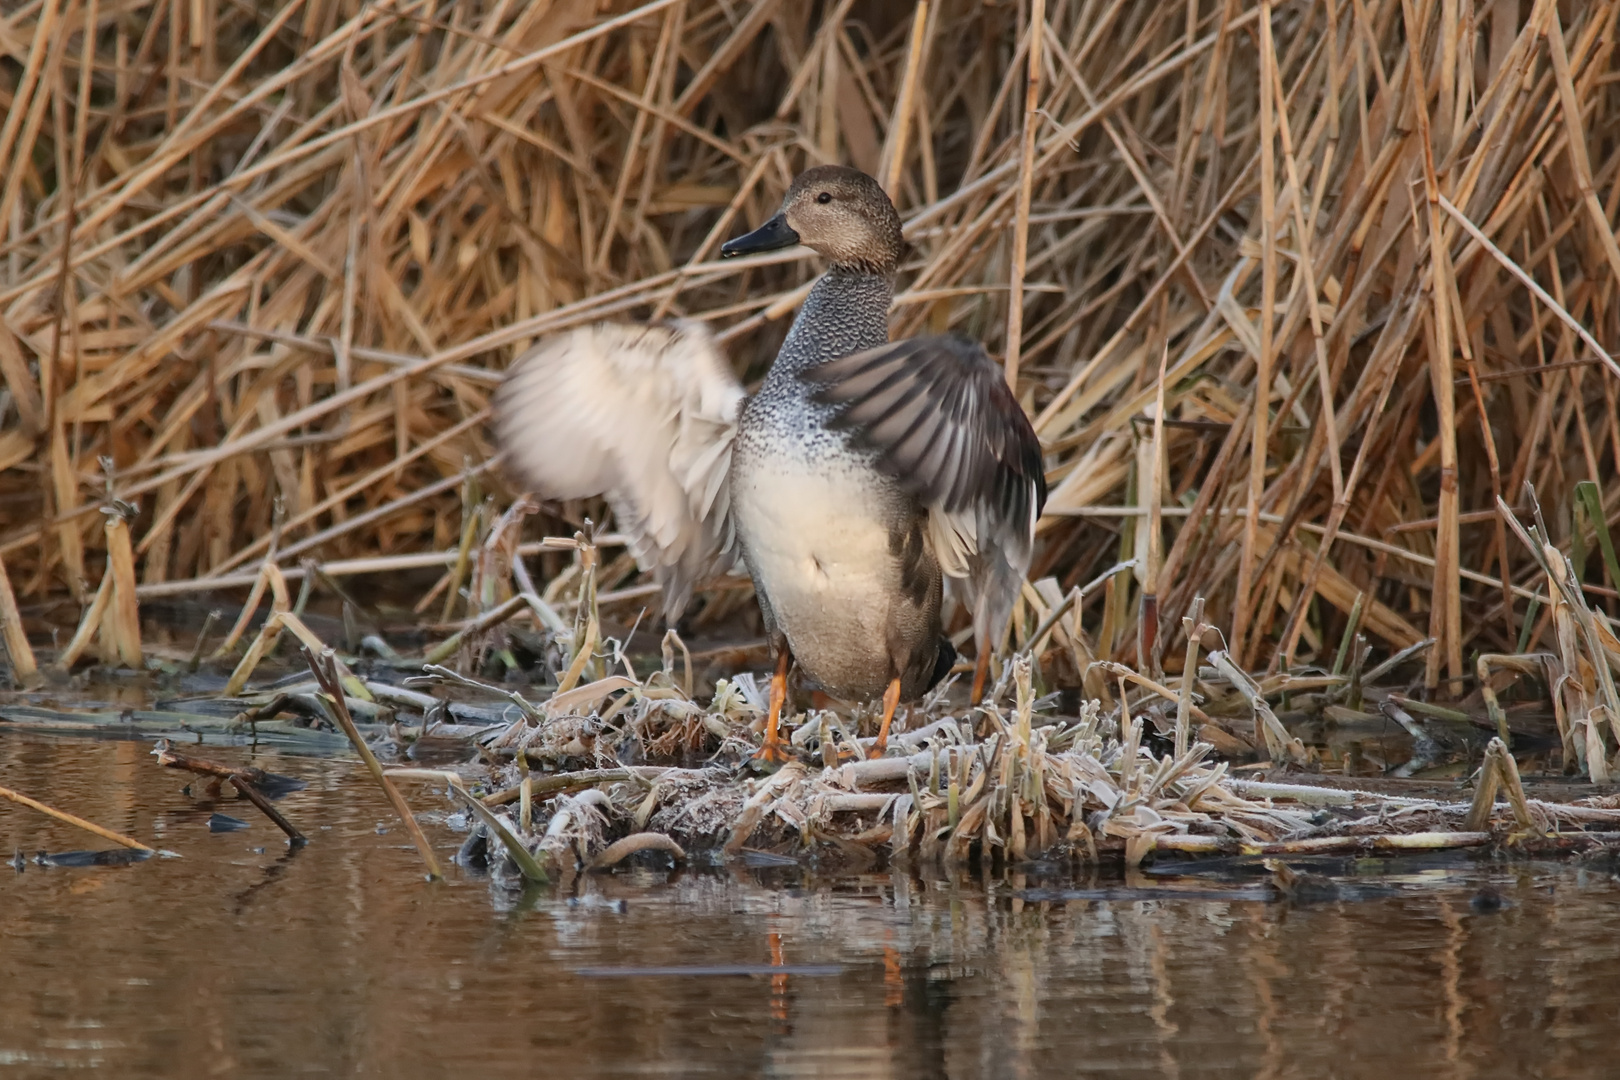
<point x="942" y="663"/>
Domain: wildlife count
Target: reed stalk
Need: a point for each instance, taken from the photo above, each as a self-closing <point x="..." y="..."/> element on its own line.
<point x="298" y="281"/>
<point x="18" y="652"/>
<point x="74" y="820"/>
<point x="327" y="672"/>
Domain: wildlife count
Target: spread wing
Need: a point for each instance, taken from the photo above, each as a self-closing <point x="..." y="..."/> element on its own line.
<point x="938" y="412"/>
<point x="645" y="415"/>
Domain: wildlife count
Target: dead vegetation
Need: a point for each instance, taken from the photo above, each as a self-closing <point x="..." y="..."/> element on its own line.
<point x="1303" y="344"/>
<point x="994" y="787"/>
<point x="612" y="762"/>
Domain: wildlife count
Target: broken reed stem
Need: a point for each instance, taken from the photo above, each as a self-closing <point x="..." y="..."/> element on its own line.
<point x="1120" y="671"/>
<point x="71" y="819"/>
<point x="279" y="617"/>
<point x="1483" y="666"/>
<point x="1515" y="789"/>
<point x="1270" y="735"/>
<point x="325" y="669"/>
<point x="1498" y="772"/>
<point x="195" y="659"/>
<point x="89" y="625"/>
<point x="587" y="613"/>
<point x="1490" y="781"/>
<point x="485" y="622"/>
<point x="18" y="652"/>
<point x="1193" y="625"/>
<point x="471" y="511"/>
<point x="124" y="611"/>
<point x="261" y="581"/>
<point x="548" y="785"/>
<point x="525" y="861"/>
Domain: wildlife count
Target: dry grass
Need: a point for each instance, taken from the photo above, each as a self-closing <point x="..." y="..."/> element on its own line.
<point x="992" y="788"/>
<point x="260" y="266"/>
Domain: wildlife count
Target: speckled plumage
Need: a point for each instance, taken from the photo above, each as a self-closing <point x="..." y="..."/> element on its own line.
<point x="835" y="546"/>
<point x="859" y="475"/>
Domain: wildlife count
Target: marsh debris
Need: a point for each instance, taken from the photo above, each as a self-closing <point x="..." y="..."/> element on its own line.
<point x="81" y="859"/>
<point x="994" y="787"/>
<point x="253" y="784"/>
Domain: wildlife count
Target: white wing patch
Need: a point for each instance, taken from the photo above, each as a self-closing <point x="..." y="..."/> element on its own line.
<point x="645" y="415"/>
<point x="955" y="539"/>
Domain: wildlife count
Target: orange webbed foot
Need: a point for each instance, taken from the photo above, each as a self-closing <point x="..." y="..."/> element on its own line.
<point x="774" y="752"/>
<point x="891" y="699"/>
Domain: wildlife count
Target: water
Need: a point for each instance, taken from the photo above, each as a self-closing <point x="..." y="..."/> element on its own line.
<point x="242" y="959"/>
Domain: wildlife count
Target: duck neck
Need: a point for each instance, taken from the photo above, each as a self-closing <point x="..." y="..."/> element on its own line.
<point x="846" y="311"/>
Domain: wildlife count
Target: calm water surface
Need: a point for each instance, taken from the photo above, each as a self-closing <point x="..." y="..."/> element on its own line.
<point x="241" y="959"/>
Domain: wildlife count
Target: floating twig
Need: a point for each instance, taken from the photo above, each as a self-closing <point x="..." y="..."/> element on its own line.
<point x="72" y="819"/>
<point x="245" y="778"/>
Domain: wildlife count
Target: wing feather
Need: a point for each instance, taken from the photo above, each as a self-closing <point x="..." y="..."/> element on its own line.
<point x="942" y="421"/>
<point x="645" y="415"/>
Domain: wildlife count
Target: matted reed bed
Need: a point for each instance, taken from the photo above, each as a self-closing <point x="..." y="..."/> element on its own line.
<point x="625" y="754"/>
<point x="1321" y="363"/>
<point x="583" y="781"/>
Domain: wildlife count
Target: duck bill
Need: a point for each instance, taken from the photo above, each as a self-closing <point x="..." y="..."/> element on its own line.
<point x="774" y="235"/>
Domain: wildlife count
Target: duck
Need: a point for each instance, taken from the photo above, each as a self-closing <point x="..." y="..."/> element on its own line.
<point x="859" y="477"/>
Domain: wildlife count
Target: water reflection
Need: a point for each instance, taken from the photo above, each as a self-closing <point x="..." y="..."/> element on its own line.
<point x="245" y="959"/>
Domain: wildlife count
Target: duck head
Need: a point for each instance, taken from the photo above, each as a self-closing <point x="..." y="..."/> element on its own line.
<point x="838" y="212"/>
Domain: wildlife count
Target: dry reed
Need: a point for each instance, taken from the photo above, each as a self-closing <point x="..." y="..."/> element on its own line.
<point x="1291" y="330"/>
<point x="328" y="672"/>
<point x="1023" y="786"/>
<point x="72" y="819"/>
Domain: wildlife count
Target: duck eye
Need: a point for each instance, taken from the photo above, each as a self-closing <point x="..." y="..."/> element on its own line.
<point x="824" y="197"/>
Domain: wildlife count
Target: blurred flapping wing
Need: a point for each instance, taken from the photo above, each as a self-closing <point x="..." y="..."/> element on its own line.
<point x="644" y="415"/>
<point x="938" y="413"/>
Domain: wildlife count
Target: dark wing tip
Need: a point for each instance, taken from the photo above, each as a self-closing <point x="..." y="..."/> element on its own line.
<point x="946" y="425"/>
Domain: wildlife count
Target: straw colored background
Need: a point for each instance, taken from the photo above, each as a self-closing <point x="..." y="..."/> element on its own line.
<point x="254" y="252"/>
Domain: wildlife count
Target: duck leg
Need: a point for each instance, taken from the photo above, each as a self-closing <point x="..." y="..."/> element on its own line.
<point x="981" y="669"/>
<point x="891" y="698"/>
<point x="773" y="750"/>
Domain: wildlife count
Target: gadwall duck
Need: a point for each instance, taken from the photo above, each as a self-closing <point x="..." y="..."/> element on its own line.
<point x="859" y="476"/>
